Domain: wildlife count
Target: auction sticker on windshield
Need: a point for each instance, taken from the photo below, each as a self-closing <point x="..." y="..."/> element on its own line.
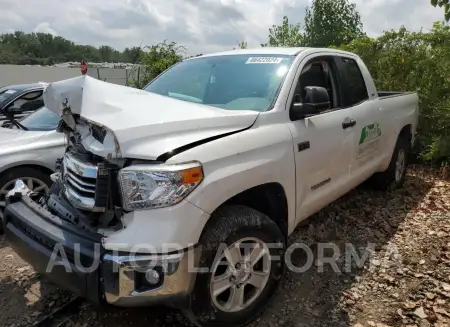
<point x="263" y="60"/>
<point x="369" y="140"/>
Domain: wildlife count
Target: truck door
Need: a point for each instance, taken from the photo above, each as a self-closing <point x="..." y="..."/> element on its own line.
<point x="322" y="142"/>
<point x="367" y="131"/>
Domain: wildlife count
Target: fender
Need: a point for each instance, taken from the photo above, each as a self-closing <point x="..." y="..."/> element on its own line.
<point x="238" y="162"/>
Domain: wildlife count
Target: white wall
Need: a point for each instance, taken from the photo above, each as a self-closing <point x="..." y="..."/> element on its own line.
<point x="18" y="74"/>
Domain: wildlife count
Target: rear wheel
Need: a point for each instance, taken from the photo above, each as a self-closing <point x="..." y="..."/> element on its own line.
<point x="394" y="176"/>
<point x="239" y="249"/>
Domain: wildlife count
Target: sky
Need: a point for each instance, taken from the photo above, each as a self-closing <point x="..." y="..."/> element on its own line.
<point x="202" y="26"/>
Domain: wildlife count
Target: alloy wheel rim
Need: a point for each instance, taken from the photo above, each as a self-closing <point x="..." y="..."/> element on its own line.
<point x="34" y="184"/>
<point x="240" y="275"/>
<point x="400" y="165"/>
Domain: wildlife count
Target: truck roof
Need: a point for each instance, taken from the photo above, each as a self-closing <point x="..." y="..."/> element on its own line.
<point x="262" y="50"/>
<point x="269" y="51"/>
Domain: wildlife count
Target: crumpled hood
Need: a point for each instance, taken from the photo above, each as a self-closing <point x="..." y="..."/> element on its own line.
<point x="138" y="124"/>
<point x="14" y="138"/>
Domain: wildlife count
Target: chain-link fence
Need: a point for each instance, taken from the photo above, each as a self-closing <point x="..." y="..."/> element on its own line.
<point x="120" y="76"/>
<point x="21" y="74"/>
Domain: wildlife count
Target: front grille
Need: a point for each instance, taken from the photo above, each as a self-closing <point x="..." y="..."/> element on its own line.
<point x="88" y="186"/>
<point x="80" y="179"/>
<point x="83" y="185"/>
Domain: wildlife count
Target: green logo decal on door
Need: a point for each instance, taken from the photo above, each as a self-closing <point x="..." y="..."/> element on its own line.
<point x="369" y="133"/>
<point x="369" y="141"/>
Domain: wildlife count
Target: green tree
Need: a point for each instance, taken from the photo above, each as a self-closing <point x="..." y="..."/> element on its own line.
<point x="415" y="61"/>
<point x="132" y="55"/>
<point x="443" y="4"/>
<point x="285" y="35"/>
<point x="242" y="45"/>
<point x="45" y="49"/>
<point x="106" y="53"/>
<point x="331" y="23"/>
<point x="158" y="58"/>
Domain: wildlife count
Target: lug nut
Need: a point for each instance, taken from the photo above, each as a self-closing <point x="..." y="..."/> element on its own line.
<point x="238" y="266"/>
<point x="232" y="279"/>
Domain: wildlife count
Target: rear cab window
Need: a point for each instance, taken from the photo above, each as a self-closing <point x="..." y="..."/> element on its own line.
<point x="353" y="82"/>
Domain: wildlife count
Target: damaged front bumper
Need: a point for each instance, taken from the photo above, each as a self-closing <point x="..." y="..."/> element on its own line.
<point x="76" y="261"/>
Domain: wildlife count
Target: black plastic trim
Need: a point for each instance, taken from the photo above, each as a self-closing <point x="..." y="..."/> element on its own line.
<point x="303" y="146"/>
<point x="319" y="185"/>
<point x="166" y="156"/>
<point x="33" y="235"/>
<point x="390" y="94"/>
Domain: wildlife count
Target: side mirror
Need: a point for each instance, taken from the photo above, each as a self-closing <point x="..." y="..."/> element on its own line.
<point x="316" y="100"/>
<point x="12" y="111"/>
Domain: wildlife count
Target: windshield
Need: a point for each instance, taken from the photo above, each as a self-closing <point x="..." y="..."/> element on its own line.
<point x="41" y="120"/>
<point x="234" y="82"/>
<point x="6" y="94"/>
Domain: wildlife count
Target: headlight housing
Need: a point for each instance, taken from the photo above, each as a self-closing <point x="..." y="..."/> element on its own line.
<point x="157" y="186"/>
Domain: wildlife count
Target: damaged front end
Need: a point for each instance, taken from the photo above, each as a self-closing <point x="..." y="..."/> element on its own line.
<point x="118" y="141"/>
<point x="86" y="192"/>
<point x="85" y="188"/>
<point x="87" y="136"/>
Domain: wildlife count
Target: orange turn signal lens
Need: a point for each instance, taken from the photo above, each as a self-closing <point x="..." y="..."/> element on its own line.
<point x="192" y="175"/>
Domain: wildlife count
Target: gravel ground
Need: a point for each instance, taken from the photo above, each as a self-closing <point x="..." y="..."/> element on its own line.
<point x="405" y="281"/>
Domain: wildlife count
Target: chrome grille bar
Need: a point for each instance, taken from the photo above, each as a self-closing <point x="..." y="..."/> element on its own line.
<point x="82" y="185"/>
<point x="79" y="187"/>
<point x="79" y="181"/>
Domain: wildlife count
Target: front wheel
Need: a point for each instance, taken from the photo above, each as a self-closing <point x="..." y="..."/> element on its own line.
<point x="35" y="179"/>
<point x="243" y="250"/>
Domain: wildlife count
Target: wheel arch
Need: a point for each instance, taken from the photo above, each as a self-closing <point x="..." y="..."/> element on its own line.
<point x="269" y="199"/>
<point x="40" y="167"/>
<point x="406" y="132"/>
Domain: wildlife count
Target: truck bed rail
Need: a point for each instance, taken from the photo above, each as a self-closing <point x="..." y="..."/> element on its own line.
<point x="391" y="94"/>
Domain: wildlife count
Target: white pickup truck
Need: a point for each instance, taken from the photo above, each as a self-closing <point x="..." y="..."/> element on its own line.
<point x="211" y="167"/>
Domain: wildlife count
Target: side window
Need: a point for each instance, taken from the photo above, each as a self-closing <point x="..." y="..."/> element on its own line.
<point x="29" y="101"/>
<point x="356" y="91"/>
<point x="318" y="72"/>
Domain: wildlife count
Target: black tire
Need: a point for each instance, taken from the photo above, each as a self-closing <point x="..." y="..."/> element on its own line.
<point x="22" y="172"/>
<point x="387" y="179"/>
<point x="230" y="224"/>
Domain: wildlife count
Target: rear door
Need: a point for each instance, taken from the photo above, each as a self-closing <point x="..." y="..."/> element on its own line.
<point x="367" y="129"/>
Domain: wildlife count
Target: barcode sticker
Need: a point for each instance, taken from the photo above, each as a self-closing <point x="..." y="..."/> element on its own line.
<point x="263" y="60"/>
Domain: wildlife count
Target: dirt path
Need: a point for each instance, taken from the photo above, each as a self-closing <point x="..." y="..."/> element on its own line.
<point x="405" y="280"/>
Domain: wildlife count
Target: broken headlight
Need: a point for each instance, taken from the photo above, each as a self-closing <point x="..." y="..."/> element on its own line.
<point x="157" y="186"/>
